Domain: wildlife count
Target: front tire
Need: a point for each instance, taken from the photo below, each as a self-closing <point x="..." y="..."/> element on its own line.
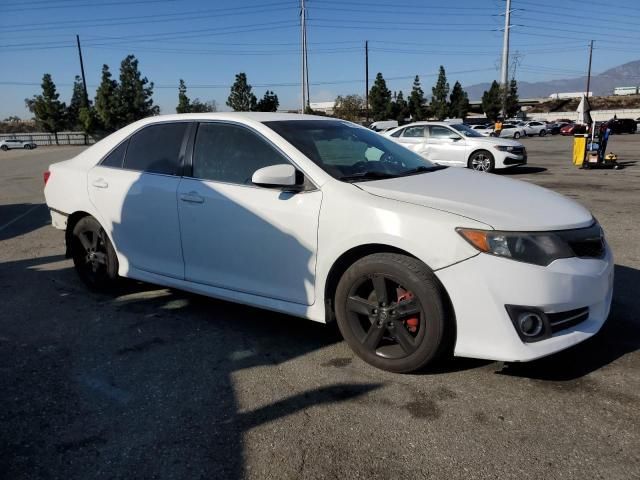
<point x="27" y="147"/>
<point x="390" y="309"/>
<point x="516" y="135"/>
<point x="482" y="161"/>
<point x="4" y="148"/>
<point x="93" y="255"/>
<point x="543" y="133"/>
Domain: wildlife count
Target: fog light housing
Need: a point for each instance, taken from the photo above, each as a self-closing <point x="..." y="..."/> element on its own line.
<point x="531" y="323"/>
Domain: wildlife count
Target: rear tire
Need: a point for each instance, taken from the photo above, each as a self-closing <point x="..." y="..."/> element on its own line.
<point x="543" y="133"/>
<point x="391" y="311"/>
<point x="93" y="255"/>
<point x="4" y="148"/>
<point x="27" y="147"/>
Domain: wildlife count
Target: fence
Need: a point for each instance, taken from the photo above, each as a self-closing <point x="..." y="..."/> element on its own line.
<point x="43" y="138"/>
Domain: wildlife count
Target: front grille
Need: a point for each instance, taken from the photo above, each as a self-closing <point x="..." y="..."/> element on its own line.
<point x="563" y="320"/>
<point x="585" y="242"/>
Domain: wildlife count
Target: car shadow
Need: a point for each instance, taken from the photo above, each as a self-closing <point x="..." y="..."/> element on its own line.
<point x="619" y="336"/>
<point x="20" y="218"/>
<point x="520" y="170"/>
<point x="142" y="382"/>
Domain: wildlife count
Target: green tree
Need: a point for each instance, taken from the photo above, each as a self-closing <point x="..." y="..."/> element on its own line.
<point x="459" y="102"/>
<point x="440" y="92"/>
<point x="268" y="103"/>
<point x="349" y="107"/>
<point x="380" y="99"/>
<point x="49" y="111"/>
<point x="202" y="107"/>
<point x="76" y="103"/>
<point x="399" y="108"/>
<point x="416" y="101"/>
<point x="241" y="99"/>
<point x="184" y="105"/>
<point x="106" y="103"/>
<point x="492" y="101"/>
<point x="512" y="100"/>
<point x="133" y="94"/>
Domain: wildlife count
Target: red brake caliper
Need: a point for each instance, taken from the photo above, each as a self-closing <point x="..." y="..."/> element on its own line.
<point x="412" y="322"/>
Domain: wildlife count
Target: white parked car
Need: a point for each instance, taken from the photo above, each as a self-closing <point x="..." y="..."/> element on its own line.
<point x="12" y="143"/>
<point x="484" y="130"/>
<point x="458" y="145"/>
<point x="511" y="130"/>
<point x="534" y="128"/>
<point x="324" y="219"/>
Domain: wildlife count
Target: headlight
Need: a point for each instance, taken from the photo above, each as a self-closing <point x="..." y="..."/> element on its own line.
<point x="539" y="248"/>
<point x="504" y="148"/>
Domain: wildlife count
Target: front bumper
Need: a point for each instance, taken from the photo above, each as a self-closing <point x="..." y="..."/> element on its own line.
<point x="480" y="288"/>
<point x="507" y="159"/>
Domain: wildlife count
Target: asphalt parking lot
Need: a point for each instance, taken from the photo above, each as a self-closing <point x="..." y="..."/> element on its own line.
<point x="156" y="383"/>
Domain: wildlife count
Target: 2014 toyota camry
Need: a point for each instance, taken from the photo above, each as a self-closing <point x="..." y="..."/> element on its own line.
<point x="323" y="219"/>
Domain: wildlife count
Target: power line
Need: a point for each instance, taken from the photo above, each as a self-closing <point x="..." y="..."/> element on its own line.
<point x="50" y="6"/>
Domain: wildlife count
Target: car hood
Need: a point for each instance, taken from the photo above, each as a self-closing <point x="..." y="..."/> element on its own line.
<point x="489" y="141"/>
<point x="502" y="203"/>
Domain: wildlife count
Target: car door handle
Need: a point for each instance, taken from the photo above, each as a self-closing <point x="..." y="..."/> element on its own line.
<point x="100" y="183"/>
<point x="191" y="197"/>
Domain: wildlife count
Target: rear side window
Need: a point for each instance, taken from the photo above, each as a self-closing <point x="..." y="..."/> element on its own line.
<point x="414" y="132"/>
<point x="116" y="157"/>
<point x="156" y="148"/>
<point x="231" y="154"/>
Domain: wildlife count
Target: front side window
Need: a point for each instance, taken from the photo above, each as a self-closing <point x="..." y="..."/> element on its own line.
<point x="348" y="152"/>
<point x="231" y="154"/>
<point x="398" y="133"/>
<point x="156" y="148"/>
<point x="440" y="132"/>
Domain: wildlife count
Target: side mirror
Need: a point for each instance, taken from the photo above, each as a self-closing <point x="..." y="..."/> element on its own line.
<point x="454" y="137"/>
<point x="284" y="175"/>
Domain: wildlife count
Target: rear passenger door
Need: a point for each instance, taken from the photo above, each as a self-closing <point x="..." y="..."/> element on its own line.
<point x="134" y="190"/>
<point x="414" y="138"/>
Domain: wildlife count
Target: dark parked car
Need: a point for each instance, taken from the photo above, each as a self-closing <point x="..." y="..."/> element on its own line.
<point x="554" y="128"/>
<point x="622" y="125"/>
<point x="573" y="128"/>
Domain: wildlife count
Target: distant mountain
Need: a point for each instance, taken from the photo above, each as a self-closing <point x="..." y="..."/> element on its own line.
<point x="625" y="75"/>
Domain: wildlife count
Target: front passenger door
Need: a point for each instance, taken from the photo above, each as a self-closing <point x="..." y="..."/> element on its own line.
<point x="446" y="146"/>
<point x="239" y="236"/>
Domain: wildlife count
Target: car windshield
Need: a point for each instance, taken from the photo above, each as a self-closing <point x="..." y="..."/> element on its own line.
<point x="465" y="130"/>
<point x="349" y="152"/>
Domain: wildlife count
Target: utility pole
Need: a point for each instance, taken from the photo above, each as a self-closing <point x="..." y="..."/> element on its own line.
<point x="366" y="78"/>
<point x="589" y="70"/>
<point x="84" y="80"/>
<point x="303" y="42"/>
<point x="504" y="77"/>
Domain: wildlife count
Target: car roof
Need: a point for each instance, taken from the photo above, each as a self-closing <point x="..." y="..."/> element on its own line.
<point x="238" y="116"/>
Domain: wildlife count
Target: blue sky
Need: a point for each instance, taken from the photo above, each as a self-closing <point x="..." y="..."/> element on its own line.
<point x="207" y="42"/>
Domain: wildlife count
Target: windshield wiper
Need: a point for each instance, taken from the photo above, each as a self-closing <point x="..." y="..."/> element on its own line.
<point x="423" y="169"/>
<point x="368" y="175"/>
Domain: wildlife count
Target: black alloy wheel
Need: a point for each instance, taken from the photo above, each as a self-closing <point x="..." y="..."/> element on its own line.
<point x="93" y="255"/>
<point x="390" y="311"/>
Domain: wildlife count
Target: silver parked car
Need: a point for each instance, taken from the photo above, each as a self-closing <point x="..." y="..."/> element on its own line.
<point x="13" y="143"/>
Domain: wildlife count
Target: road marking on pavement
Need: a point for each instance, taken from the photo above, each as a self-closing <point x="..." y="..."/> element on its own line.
<point x="11" y="222"/>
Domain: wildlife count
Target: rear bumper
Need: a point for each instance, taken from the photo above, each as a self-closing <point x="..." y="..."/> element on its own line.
<point x="58" y="219"/>
<point x="482" y="286"/>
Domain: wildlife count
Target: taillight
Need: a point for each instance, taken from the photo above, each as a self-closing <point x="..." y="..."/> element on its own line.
<point x="46" y="176"/>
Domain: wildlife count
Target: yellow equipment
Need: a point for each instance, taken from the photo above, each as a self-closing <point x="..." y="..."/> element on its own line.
<point x="579" y="149"/>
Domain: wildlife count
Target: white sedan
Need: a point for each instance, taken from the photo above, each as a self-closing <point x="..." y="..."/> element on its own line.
<point x="324" y="219"/>
<point x="458" y="145"/>
<point x="511" y="130"/>
<point x="484" y="130"/>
